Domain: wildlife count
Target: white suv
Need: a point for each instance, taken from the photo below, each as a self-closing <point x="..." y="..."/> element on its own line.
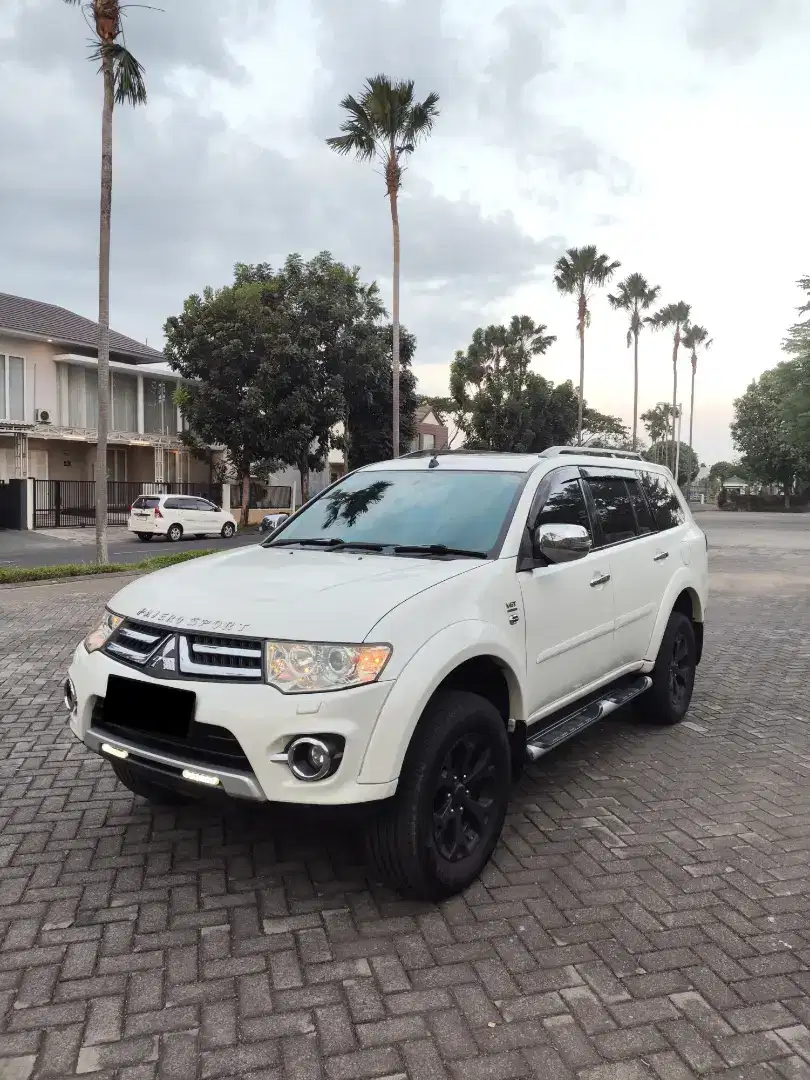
<point x="409" y="639"/>
<point x="175" y="516"/>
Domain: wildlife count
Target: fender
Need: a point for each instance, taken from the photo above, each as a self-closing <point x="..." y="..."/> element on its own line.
<point x="682" y="580"/>
<point x="418" y="681"/>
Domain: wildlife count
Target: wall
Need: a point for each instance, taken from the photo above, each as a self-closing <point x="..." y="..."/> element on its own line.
<point x="39" y="368"/>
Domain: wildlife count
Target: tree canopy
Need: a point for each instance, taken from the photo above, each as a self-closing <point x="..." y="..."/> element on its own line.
<point x="688" y="463"/>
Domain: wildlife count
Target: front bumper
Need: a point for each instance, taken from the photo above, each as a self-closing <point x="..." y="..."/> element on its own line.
<point x="263" y="720"/>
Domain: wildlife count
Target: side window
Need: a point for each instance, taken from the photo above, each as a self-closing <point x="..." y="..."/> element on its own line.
<point x="565" y="505"/>
<point x="666" y="509"/>
<point x="644" y="518"/>
<point x="614" y="509"/>
<point x="202" y="504"/>
<point x="174" y="504"/>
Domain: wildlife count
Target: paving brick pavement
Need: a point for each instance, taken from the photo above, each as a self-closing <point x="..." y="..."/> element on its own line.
<point x="645" y="916"/>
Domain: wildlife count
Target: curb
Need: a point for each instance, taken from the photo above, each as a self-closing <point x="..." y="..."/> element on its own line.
<point x="73" y="577"/>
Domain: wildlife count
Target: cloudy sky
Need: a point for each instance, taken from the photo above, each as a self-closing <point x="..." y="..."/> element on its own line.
<point x="671" y="134"/>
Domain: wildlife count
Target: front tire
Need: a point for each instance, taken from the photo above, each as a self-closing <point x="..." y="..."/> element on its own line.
<point x="435" y="836"/>
<point x="174" y="532"/>
<point x="139" y="784"/>
<point x="228" y="530"/>
<point x="668" y="699"/>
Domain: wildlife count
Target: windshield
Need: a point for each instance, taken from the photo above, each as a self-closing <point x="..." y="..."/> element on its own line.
<point x="462" y="510"/>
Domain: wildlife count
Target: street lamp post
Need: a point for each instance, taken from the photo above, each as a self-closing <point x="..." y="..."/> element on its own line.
<point x="679" y="417"/>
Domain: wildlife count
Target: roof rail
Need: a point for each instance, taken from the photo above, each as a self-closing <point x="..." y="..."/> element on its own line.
<point x="590" y="451"/>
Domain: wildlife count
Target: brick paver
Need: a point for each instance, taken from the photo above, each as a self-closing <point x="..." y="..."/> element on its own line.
<point x="645" y="917"/>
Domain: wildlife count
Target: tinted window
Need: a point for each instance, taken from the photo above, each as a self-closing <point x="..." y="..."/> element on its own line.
<point x="461" y="509"/>
<point x="203" y="504"/>
<point x="614" y="510"/>
<point x="146" y="502"/>
<point x="643" y="516"/>
<point x="666" y="509"/>
<point x="565" y="506"/>
<point x="180" y="504"/>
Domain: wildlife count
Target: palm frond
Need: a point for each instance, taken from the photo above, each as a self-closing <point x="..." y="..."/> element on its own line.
<point x="421" y="119"/>
<point x="354" y="142"/>
<point x="128" y="73"/>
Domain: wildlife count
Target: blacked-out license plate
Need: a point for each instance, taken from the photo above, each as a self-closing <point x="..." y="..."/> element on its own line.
<point x="149" y="707"/>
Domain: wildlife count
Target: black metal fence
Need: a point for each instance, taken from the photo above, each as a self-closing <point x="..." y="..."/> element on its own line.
<point x="64" y="504"/>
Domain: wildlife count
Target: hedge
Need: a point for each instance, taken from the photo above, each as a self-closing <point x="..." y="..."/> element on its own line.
<point x="12" y="575"/>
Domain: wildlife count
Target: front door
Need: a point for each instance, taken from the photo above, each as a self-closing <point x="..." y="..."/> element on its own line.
<point x="568" y="608"/>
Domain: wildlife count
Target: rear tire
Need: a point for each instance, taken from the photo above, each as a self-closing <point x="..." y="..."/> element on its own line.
<point x="667" y="700"/>
<point x="142" y="785"/>
<point x="174" y="532"/>
<point x="145" y="537"/>
<point x="435" y="836"/>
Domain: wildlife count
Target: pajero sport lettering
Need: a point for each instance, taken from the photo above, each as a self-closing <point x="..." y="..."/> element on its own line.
<point x="408" y="640"/>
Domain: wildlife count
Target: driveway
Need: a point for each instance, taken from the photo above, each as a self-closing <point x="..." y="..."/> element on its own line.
<point x="645" y="916"/>
<point x="41" y="547"/>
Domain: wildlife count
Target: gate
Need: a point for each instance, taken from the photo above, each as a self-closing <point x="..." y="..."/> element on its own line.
<point x="71" y="504"/>
<point x="11" y="504"/>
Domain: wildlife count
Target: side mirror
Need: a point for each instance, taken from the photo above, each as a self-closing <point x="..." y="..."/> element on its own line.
<point x="562" y="543"/>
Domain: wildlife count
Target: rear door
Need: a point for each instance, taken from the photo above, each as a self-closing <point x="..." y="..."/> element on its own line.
<point x="628" y="533"/>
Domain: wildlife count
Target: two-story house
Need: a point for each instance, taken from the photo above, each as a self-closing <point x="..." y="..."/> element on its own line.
<point x="49" y="402"/>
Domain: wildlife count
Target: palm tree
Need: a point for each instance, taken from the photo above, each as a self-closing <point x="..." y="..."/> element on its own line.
<point x="385" y="125"/>
<point x="656" y="421"/>
<point x="696" y="337"/>
<point x="635" y="295"/>
<point x="673" y="317"/>
<point x="578" y="273"/>
<point x="123" y="85"/>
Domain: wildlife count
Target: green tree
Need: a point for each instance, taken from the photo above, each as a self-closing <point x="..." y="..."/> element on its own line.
<point x="663" y="453"/>
<point x="696" y="337"/>
<point x="441" y="407"/>
<point x="674" y="317"/>
<point x="123" y="82"/>
<point x="763" y="435"/>
<point x="267" y="359"/>
<point x="577" y="274"/>
<point x="385" y="125"/>
<point x="367" y="390"/>
<point x="634" y="295"/>
<point x="605" y="432"/>
<point x="722" y="470"/>
<point x="798" y="336"/>
<point x="656" y="421"/>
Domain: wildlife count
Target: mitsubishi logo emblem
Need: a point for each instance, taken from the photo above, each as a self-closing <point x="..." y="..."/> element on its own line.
<point x="166" y="658"/>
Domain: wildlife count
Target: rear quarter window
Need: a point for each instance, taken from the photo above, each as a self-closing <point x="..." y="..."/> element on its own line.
<point x="667" y="510"/>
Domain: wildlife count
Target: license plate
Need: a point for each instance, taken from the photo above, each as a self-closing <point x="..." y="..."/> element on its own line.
<point x="149" y="707"/>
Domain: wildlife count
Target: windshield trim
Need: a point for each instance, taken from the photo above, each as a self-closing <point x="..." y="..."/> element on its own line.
<point x="493" y="553"/>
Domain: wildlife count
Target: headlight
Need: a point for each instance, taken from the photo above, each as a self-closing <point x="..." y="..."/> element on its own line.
<point x="300" y="667"/>
<point x="96" y="638"/>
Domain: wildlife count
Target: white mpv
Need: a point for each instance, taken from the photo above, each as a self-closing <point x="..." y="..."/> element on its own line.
<point x="176" y="516"/>
<point x="409" y="640"/>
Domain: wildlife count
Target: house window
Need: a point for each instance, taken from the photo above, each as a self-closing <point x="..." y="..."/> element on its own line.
<point x="159" y="410"/>
<point x="12" y="387"/>
<point x="124" y="402"/>
<point x="428" y="442"/>
<point x="78" y="388"/>
<point x="116" y="463"/>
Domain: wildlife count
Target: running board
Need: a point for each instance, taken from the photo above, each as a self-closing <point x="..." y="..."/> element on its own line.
<point x="573" y="723"/>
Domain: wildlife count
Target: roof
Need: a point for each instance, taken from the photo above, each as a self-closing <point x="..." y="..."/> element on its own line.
<point x="423" y="411"/>
<point x="735" y="481"/>
<point x="17" y="313"/>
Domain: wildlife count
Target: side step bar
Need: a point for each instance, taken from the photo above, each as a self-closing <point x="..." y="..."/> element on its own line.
<point x="573" y="723"/>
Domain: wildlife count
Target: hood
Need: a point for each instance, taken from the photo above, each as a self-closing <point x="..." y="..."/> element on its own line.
<point x="286" y="592"/>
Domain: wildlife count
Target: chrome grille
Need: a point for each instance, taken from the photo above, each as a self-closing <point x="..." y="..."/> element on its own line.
<point x="135" y="642"/>
<point x="220" y="657"/>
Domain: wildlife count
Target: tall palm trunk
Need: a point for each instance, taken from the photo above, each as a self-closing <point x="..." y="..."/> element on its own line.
<point x="582" y="315"/>
<point x="395" y="348"/>
<point x="692" y="401"/>
<point x="677" y="342"/>
<point x="104" y="306"/>
<point x="635" y="389"/>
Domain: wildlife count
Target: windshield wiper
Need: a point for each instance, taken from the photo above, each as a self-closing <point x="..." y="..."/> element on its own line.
<point x="436" y="549"/>
<point x="334" y="543"/>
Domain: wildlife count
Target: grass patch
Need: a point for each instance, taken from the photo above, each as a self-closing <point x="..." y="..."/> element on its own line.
<point x="12" y="575"/>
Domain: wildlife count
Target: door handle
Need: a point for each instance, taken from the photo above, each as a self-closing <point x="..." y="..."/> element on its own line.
<point x="600" y="579"/>
<point x="661" y="556"/>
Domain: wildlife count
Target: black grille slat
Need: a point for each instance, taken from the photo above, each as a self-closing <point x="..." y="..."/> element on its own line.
<point x="200" y="656"/>
<point x="137" y="639"/>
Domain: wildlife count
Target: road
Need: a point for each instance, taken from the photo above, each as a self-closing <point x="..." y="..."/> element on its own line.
<point x="77" y="546"/>
<point x="646" y="915"/>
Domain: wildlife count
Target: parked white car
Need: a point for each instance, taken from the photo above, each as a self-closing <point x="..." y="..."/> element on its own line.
<point x="408" y="640"/>
<point x="175" y="516"/>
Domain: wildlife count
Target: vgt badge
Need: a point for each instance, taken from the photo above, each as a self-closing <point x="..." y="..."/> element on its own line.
<point x="166" y="658"/>
<point x="512" y="612"/>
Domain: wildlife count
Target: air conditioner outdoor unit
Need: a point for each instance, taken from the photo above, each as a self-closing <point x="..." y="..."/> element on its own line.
<point x="43" y="416"/>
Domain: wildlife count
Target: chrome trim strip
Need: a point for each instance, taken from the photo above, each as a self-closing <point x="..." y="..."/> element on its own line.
<point x="240" y="785"/>
<point x="137" y="635"/>
<point x="136" y="657"/>
<point x="219" y="650"/>
<point x="189" y="667"/>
